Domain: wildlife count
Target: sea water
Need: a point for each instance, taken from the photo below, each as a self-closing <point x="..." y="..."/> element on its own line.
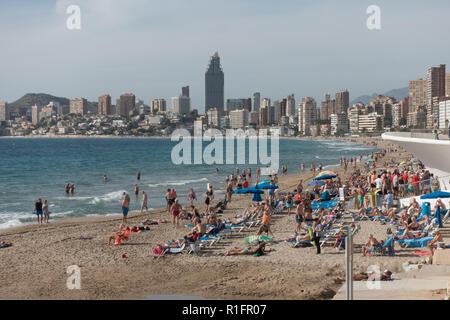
<point x="32" y="168"/>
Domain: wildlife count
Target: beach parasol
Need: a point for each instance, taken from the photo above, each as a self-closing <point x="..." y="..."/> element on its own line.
<point x="435" y="195"/>
<point x="265" y="181"/>
<point x="313" y="183"/>
<point x="248" y="190"/>
<point x="325" y="175"/>
<point x="266" y="186"/>
<point x="256" y="197"/>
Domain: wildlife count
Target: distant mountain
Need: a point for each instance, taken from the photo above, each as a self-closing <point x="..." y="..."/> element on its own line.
<point x="398" y="94"/>
<point x="40" y="99"/>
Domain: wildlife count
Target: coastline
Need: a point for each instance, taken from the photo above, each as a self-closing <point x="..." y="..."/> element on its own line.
<point x="285" y="273"/>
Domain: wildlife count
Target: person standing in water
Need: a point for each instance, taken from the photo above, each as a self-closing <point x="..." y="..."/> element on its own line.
<point x="139" y="175"/>
<point x="105" y="178"/>
<point x="136" y="191"/>
<point x="125" y="207"/>
<point x="144" y="201"/>
<point x="38" y="210"/>
<point x="45" y="211"/>
<point x="72" y="188"/>
<point x="67" y="188"/>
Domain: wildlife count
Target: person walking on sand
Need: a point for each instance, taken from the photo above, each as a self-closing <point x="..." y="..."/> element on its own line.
<point x="313" y="169"/>
<point x="192" y="196"/>
<point x="176" y="209"/>
<point x="229" y="191"/>
<point x="144" y="201"/>
<point x="45" y="211"/>
<point x="125" y="207"/>
<point x="38" y="210"/>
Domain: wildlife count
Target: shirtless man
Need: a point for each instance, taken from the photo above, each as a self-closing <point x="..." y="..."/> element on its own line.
<point x="136" y="190"/>
<point x="433" y="243"/>
<point x="176" y="210"/>
<point x="369" y="247"/>
<point x="144" y="201"/>
<point x="125" y="207"/>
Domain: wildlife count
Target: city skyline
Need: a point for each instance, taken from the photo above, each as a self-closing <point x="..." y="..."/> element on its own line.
<point x="252" y="59"/>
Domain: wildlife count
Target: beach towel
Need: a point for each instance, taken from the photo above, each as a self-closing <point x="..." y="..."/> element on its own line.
<point x="422" y="253"/>
<point x="254" y="238"/>
<point x="324" y="204"/>
<point x="416" y="243"/>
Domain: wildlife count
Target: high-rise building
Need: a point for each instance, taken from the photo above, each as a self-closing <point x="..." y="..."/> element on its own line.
<point x="339" y="123"/>
<point x="104" y="105"/>
<point x="447" y="84"/>
<point x="256" y="101"/>
<point x="35" y="114"/>
<point x="281" y="108"/>
<point x="236" y="104"/>
<point x="239" y="119"/>
<point x="185" y="91"/>
<point x="435" y="83"/>
<point x="214" y="85"/>
<point x="127" y="104"/>
<point x="181" y="105"/>
<point x="263" y="111"/>
<point x="79" y="106"/>
<point x="342" y="101"/>
<point x="370" y="123"/>
<point x="290" y="106"/>
<point x="213" y="117"/>
<point x="265" y="102"/>
<point x="327" y="108"/>
<point x="444" y="114"/>
<point x="307" y="115"/>
<point x="253" y="118"/>
<point x="158" y="105"/>
<point x="4" y="111"/>
<point x="417" y="94"/>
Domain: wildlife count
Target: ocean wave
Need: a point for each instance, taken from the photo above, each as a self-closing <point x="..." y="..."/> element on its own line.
<point x="115" y="195"/>
<point x="176" y="183"/>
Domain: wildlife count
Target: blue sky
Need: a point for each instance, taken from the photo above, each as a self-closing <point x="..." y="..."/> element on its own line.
<point x="152" y="48"/>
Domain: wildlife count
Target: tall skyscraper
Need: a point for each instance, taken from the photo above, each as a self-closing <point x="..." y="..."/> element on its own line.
<point x="290" y="106"/>
<point x="307" y="115"/>
<point x="4" y="111"/>
<point x="435" y="84"/>
<point x="158" y="105"/>
<point x="417" y="94"/>
<point x="256" y="101"/>
<point x="79" y="106"/>
<point x="104" y="105"/>
<point x="327" y="108"/>
<point x="342" y="101"/>
<point x="447" y="84"/>
<point x="127" y="104"/>
<point x="35" y="114"/>
<point x="185" y="91"/>
<point x="214" y="85"/>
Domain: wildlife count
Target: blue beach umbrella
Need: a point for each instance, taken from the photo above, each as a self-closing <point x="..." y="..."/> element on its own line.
<point x="265" y="181"/>
<point x="313" y="183"/>
<point x="435" y="195"/>
<point x="256" y="197"/>
<point x="248" y="190"/>
<point x="266" y="186"/>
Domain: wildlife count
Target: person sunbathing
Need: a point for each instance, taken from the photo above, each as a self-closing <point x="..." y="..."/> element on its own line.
<point x="122" y="234"/>
<point x="4" y="244"/>
<point x="370" y="246"/>
<point x="259" y="249"/>
<point x="363" y="276"/>
<point x="150" y="222"/>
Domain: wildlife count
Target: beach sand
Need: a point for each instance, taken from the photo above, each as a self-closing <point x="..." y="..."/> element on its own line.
<point x="35" y="267"/>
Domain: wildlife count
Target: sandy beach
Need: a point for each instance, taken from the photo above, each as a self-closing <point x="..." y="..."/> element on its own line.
<point x="34" y="267"/>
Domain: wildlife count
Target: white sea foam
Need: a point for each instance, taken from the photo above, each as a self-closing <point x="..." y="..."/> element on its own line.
<point x="116" y="195"/>
<point x="176" y="183"/>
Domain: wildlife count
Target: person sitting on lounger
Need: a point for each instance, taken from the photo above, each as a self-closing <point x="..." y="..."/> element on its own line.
<point x="370" y="245"/>
<point x="198" y="231"/>
<point x="433" y="243"/>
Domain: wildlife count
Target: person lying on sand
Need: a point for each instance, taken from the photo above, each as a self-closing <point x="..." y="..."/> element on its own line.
<point x="259" y="250"/>
<point x="363" y="276"/>
<point x="122" y="234"/>
<point x="4" y="244"/>
<point x="150" y="222"/>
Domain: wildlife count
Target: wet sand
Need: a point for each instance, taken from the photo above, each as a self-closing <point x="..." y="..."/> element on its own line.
<point x="35" y="266"/>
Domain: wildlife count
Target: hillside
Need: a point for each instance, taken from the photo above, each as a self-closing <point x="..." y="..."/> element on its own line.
<point x="40" y="99"/>
<point x="398" y="94"/>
